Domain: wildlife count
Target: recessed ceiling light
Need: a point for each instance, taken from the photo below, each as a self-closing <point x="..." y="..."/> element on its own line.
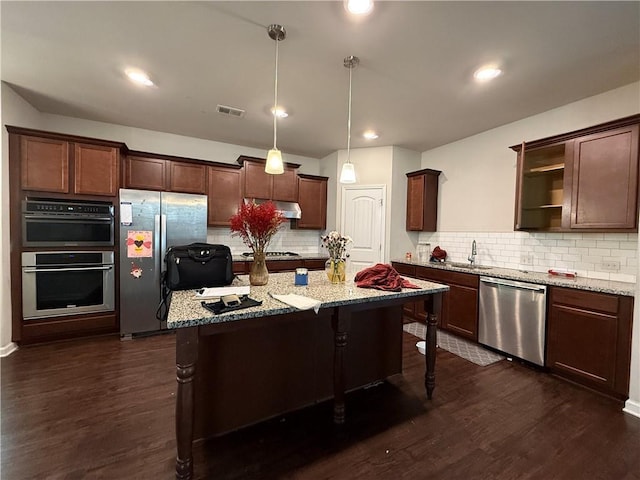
<point x="358" y="7"/>
<point x="139" y="77"/>
<point x="279" y="112"/>
<point x="487" y="73"/>
<point x="370" y="135"/>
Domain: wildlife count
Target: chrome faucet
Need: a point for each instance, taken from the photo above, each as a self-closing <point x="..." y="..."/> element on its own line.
<point x="474" y="252"/>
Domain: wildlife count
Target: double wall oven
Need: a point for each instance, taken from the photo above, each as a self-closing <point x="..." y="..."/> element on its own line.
<point x="77" y="276"/>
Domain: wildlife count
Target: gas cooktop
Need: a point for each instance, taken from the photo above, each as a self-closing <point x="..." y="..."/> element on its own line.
<point x="273" y="254"/>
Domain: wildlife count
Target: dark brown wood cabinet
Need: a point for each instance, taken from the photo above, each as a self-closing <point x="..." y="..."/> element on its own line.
<point x="97" y="170"/>
<point x="604" y="180"/>
<point x="44" y="164"/>
<point x="585" y="180"/>
<point x="164" y="173"/>
<point x="187" y="177"/>
<point x="589" y="338"/>
<point x="261" y="185"/>
<point x="224" y="194"/>
<point x="57" y="164"/>
<point x="422" y="200"/>
<point x="412" y="311"/>
<point x="312" y="198"/>
<point x="145" y="173"/>
<point x="460" y="303"/>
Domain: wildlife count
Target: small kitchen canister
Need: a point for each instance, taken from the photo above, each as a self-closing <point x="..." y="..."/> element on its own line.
<point x="302" y="276"/>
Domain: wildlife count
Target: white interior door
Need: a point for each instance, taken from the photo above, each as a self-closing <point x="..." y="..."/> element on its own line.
<point x="363" y="220"/>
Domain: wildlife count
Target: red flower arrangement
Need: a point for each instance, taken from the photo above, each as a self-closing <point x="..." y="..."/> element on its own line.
<point x="256" y="224"/>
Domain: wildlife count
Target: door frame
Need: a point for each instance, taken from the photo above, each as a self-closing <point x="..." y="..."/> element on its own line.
<point x="383" y="221"/>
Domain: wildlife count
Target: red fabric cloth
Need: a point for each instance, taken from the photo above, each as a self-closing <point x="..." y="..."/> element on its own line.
<point x="382" y="276"/>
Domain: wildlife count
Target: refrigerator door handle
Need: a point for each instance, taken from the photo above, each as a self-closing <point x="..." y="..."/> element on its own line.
<point x="163" y="241"/>
<point x="157" y="244"/>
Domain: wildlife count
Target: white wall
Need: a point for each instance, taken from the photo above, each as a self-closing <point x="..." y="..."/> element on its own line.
<point x="15" y="111"/>
<point x="373" y="167"/>
<point x="400" y="240"/>
<point x="329" y="167"/>
<point x="483" y="168"/>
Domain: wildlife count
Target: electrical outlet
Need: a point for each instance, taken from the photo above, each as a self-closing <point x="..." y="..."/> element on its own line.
<point x="611" y="265"/>
<point x="526" y="259"/>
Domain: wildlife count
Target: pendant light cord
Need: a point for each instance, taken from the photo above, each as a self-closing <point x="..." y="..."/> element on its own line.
<point x="349" y="120"/>
<point x="275" y="101"/>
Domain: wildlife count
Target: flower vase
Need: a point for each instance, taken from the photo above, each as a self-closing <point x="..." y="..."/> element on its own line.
<point x="336" y="269"/>
<point x="258" y="275"/>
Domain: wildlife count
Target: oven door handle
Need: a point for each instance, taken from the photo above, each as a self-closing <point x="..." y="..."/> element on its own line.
<point x="65" y="269"/>
<point x="69" y="218"/>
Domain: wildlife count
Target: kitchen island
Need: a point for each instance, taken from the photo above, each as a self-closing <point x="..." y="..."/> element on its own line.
<point x="248" y="365"/>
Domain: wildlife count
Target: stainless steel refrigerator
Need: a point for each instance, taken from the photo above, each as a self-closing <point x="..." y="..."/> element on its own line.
<point x="151" y="222"/>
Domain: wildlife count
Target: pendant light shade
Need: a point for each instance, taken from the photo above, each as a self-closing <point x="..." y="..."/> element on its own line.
<point x="348" y="173"/>
<point x="274" y="165"/>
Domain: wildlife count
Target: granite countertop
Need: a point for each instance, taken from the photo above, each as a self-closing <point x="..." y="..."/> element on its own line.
<point x="581" y="283"/>
<point x="300" y="256"/>
<point x="186" y="311"/>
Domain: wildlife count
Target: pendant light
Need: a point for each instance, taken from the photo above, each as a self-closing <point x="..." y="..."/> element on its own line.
<point x="348" y="174"/>
<point x="274" y="164"/>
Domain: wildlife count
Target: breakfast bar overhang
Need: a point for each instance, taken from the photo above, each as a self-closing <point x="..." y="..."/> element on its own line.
<point x="244" y="366"/>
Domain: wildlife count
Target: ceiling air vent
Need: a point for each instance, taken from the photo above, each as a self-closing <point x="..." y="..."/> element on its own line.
<point x="232" y="112"/>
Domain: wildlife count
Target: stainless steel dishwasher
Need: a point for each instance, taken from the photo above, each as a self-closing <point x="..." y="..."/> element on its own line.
<point x="512" y="318"/>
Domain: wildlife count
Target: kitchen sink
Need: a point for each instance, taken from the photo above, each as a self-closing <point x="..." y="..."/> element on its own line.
<point x="467" y="266"/>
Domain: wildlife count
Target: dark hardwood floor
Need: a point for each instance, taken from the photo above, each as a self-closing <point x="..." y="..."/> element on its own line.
<point x="104" y="409"/>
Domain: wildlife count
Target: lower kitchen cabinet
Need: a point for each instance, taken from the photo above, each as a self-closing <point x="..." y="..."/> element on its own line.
<point x="459" y="305"/>
<point x="589" y="339"/>
<point x="412" y="311"/>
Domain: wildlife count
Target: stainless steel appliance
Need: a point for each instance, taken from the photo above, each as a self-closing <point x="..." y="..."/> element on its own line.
<point x="59" y="223"/>
<point x="66" y="283"/>
<point x="151" y="222"/>
<point x="513" y="318"/>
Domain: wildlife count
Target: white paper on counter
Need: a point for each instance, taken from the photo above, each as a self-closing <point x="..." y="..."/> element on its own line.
<point x="214" y="292"/>
<point x="298" y="301"/>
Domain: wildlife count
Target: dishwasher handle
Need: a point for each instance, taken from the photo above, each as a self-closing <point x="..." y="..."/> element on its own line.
<point x="506" y="283"/>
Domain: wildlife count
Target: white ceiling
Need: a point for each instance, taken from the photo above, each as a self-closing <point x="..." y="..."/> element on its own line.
<point x="414" y="83"/>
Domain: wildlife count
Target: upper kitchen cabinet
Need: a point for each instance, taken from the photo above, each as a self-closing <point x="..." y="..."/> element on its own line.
<point x="164" y="173"/>
<point x="259" y="184"/>
<point x="312" y="198"/>
<point x="224" y="194"/>
<point x="580" y="181"/>
<point x="422" y="200"/>
<point x="54" y="163"/>
<point x="604" y="176"/>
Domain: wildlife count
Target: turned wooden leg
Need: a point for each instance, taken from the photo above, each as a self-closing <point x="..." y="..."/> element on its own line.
<point x="431" y="341"/>
<point x="340" y="323"/>
<point x="186" y="359"/>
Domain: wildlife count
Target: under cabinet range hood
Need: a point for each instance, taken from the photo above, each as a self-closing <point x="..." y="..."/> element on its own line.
<point x="288" y="209"/>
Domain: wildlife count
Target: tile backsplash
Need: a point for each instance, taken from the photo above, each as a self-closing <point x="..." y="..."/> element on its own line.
<point x="286" y="240"/>
<point x="607" y="256"/>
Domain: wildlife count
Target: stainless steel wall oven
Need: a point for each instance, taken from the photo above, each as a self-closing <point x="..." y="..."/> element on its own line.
<point x="67" y="283"/>
<point x="55" y="223"/>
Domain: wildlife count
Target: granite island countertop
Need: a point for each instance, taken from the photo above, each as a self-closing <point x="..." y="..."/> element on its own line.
<point x="581" y="283"/>
<point x="186" y="310"/>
